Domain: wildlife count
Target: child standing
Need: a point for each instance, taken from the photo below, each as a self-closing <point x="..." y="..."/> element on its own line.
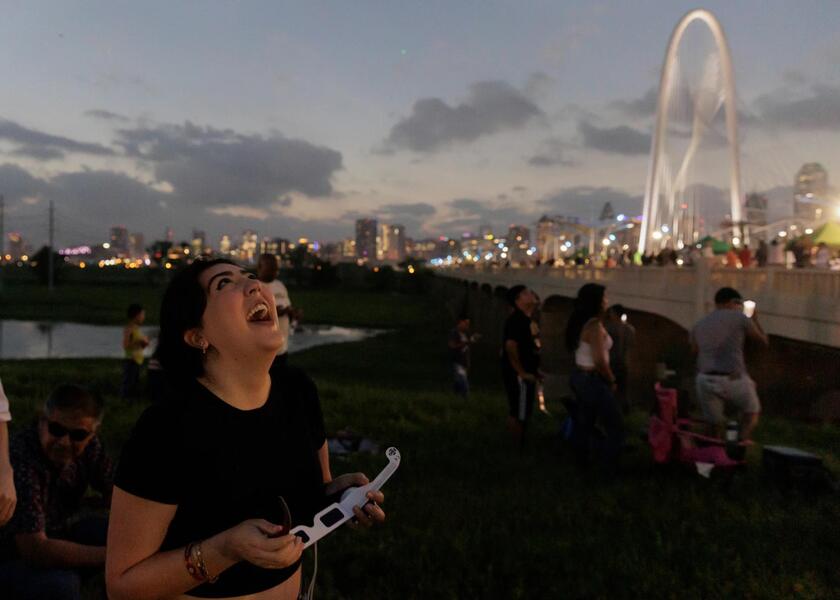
<point x="133" y="343"/>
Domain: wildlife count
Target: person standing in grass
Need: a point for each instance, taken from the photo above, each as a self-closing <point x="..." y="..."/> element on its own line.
<point x="8" y="497"/>
<point x="592" y="379"/>
<point x="722" y="378"/>
<point x="459" y="346"/>
<point x="204" y="477"/>
<point x="53" y="542"/>
<point x="133" y="343"/>
<point x="520" y="360"/>
<point x="623" y="335"/>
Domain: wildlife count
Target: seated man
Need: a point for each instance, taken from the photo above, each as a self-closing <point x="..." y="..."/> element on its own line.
<point x="48" y="546"/>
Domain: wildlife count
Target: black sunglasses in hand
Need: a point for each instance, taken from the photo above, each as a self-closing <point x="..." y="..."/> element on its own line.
<point x="57" y="430"/>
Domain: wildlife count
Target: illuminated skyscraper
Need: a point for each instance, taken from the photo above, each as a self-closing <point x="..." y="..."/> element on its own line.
<point x="136" y="245"/>
<point x="198" y="242"/>
<point x="248" y="248"/>
<point x="119" y="240"/>
<point x="366" y="238"/>
<point x="225" y="245"/>
<point x="810" y="191"/>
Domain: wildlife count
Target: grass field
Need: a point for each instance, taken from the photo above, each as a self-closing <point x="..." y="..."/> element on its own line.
<point x="470" y="517"/>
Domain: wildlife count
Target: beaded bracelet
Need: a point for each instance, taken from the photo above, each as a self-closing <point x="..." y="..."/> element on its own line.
<point x="202" y="566"/>
<point x="194" y="561"/>
<point x="192" y="568"/>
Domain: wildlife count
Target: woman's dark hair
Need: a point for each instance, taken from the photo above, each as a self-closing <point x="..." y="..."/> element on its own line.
<point x="183" y="305"/>
<point x="133" y="310"/>
<point x="590" y="299"/>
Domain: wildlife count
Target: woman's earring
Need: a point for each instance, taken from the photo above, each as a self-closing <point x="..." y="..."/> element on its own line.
<point x="204" y="348"/>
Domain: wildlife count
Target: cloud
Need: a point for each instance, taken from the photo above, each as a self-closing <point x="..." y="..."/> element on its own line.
<point x="819" y="109"/>
<point x="418" y="209"/>
<point x="42" y="153"/>
<point x="470" y="213"/>
<point x="491" y="106"/>
<point x="645" y="106"/>
<point x="106" y="115"/>
<point x="219" y="167"/>
<point x="616" y="140"/>
<point x="44" y="146"/>
<point x="587" y="201"/>
<point x="552" y="154"/>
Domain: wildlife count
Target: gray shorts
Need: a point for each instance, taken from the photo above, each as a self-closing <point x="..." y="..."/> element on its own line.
<point x="714" y="391"/>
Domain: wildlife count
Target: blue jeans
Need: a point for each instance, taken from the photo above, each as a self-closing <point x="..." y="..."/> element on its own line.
<point x="596" y="403"/>
<point x="22" y="581"/>
<point x="460" y="382"/>
<point x="130" y="379"/>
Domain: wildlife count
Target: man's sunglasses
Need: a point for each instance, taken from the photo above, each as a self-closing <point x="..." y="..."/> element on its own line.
<point x="57" y="430"/>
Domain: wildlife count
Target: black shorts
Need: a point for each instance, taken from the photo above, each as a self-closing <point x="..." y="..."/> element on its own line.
<point x="521" y="395"/>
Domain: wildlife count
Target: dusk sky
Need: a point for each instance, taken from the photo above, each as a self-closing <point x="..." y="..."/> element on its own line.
<point x="294" y="119"/>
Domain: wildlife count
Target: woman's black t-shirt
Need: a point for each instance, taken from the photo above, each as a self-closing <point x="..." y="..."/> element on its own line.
<point x="222" y="465"/>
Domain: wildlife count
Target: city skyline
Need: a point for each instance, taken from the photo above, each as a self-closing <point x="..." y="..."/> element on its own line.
<point x="297" y="121"/>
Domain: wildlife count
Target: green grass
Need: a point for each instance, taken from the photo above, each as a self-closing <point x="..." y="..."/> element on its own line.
<point x="470" y="517"/>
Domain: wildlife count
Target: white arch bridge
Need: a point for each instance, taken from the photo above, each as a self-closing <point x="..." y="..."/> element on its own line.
<point x="800" y="304"/>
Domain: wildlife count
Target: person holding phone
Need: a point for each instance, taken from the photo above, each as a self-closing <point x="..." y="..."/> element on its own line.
<point x="722" y="379"/>
<point x="197" y="509"/>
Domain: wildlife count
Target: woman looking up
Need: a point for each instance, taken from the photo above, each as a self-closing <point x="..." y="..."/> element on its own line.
<point x="197" y="508"/>
<point x="592" y="380"/>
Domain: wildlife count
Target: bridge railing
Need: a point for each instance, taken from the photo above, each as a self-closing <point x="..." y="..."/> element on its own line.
<point x="797" y="303"/>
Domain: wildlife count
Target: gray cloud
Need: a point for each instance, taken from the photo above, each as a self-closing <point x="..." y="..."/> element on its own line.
<point x="43" y="153"/>
<point x="418" y="209"/>
<point x="819" y="109"/>
<point x="644" y="106"/>
<point x="617" y="140"/>
<point x="587" y="201"/>
<point x="88" y="202"/>
<point x="551" y="154"/>
<point x="37" y="144"/>
<point x="106" y="115"/>
<point x="222" y="168"/>
<point x="469" y="214"/>
<point x="491" y="106"/>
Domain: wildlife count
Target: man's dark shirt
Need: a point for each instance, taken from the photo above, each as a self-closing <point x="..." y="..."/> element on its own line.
<point x="525" y="332"/>
<point x="46" y="496"/>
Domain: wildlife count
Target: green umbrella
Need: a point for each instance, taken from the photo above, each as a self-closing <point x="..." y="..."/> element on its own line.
<point x="829" y="234"/>
<point x="718" y="246"/>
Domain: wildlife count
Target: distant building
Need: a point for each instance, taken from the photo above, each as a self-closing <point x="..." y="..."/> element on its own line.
<point x="136" y="245"/>
<point x="348" y="248"/>
<point x="423" y="249"/>
<point x="810" y="192"/>
<point x="366" y="233"/>
<point x="225" y="247"/>
<point x="756" y="209"/>
<point x="198" y="242"/>
<point x="391" y="243"/>
<point x="118" y="239"/>
<point x="277" y="246"/>
<point x="518" y="242"/>
<point x="557" y="236"/>
<point x="248" y="247"/>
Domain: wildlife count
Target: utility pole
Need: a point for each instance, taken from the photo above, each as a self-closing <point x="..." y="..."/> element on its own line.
<point x="51" y="267"/>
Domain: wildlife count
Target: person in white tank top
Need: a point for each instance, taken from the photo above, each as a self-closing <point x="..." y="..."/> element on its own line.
<point x="592" y="379"/>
